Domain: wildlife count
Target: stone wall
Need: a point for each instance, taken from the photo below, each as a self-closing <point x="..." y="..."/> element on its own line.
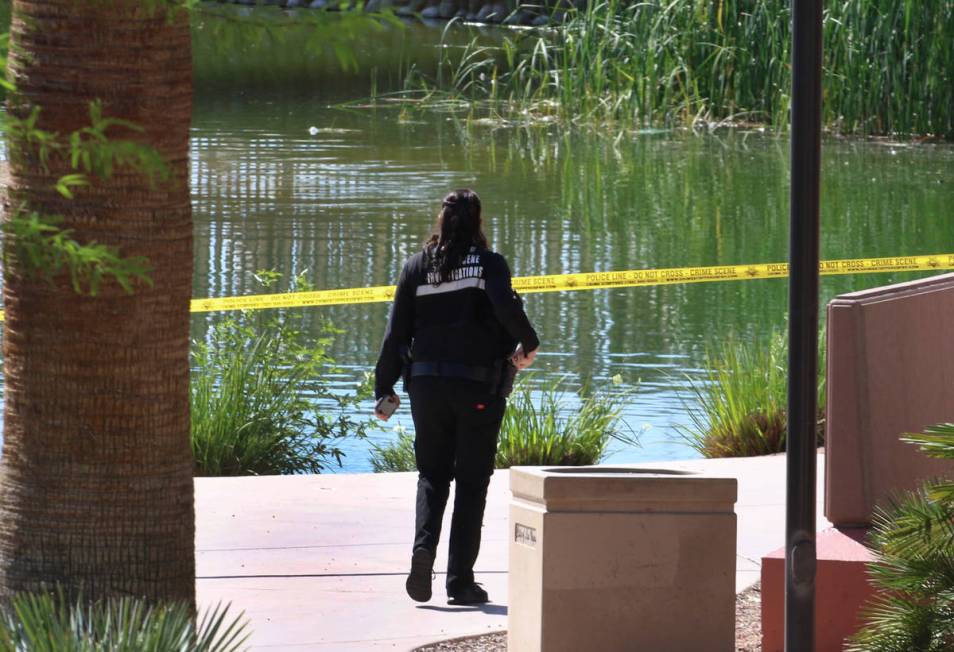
<point x="508" y="12"/>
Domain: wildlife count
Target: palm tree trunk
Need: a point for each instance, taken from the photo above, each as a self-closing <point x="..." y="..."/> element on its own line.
<point x="96" y="487"/>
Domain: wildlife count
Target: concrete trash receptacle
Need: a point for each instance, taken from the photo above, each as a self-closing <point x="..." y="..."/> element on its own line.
<point x="628" y="559"/>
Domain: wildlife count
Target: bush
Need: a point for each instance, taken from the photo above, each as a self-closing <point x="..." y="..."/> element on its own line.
<point x="549" y="431"/>
<point x="257" y="393"/>
<point x="740" y="406"/>
<point x="914" y="566"/>
<point x="256" y="402"/>
<point x="49" y="623"/>
<point x="552" y="432"/>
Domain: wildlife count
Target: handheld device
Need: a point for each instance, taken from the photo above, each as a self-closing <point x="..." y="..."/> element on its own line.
<point x="385" y="406"/>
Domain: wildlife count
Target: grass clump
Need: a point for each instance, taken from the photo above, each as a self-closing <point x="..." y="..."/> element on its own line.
<point x="544" y="426"/>
<point x="394" y="456"/>
<point x="259" y="398"/>
<point x="553" y="431"/>
<point x="739" y="407"/>
<point x="889" y="66"/>
<point x="913" y="540"/>
<point x="51" y="623"/>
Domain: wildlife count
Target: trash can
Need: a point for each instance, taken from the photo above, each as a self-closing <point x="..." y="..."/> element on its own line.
<point x="605" y="558"/>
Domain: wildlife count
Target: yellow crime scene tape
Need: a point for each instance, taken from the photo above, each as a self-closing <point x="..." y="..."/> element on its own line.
<point x="586" y="281"/>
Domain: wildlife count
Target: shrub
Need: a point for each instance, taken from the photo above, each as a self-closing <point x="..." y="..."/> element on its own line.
<point x="256" y="402"/>
<point x="740" y="406"/>
<point x="542" y="432"/>
<point x="913" y="540"/>
<point x="49" y="623"/>
<point x="552" y="432"/>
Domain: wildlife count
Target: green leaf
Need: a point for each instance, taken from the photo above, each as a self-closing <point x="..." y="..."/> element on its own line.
<point x="69" y="181"/>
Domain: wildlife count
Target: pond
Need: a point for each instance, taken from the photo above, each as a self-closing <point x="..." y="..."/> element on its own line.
<point x="286" y="178"/>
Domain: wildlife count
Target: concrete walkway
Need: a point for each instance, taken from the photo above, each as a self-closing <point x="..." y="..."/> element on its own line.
<point x="318" y="562"/>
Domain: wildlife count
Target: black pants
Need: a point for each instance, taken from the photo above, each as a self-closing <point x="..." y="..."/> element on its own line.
<point x="456" y="425"/>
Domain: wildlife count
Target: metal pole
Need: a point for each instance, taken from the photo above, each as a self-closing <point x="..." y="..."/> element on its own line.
<point x="803" y="326"/>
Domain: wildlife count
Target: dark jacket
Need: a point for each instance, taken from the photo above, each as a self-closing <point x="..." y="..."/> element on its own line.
<point x="475" y="319"/>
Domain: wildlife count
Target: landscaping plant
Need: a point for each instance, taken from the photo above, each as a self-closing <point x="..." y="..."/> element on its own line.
<point x="739" y="406"/>
<point x="260" y="399"/>
<point x="50" y="623"/>
<point x="913" y="541"/>
<point x="394" y="456"/>
<point x="542" y="426"/>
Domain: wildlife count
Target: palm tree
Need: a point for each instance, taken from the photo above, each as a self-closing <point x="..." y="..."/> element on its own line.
<point x="96" y="488"/>
<point x="913" y="570"/>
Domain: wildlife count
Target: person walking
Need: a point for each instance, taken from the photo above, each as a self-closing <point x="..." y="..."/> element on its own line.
<point x="457" y="333"/>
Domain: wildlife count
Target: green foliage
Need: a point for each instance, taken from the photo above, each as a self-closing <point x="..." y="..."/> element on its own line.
<point x="44" y="249"/>
<point x="92" y="152"/>
<point x="40" y="246"/>
<point x="739" y="407"/>
<point x="888" y="67"/>
<point x="233" y="29"/>
<point x="394" y="456"/>
<point x="546" y="426"/>
<point x="560" y="427"/>
<point x="257" y="392"/>
<point x="913" y="540"/>
<point x="89" y="150"/>
<point x="49" y="623"/>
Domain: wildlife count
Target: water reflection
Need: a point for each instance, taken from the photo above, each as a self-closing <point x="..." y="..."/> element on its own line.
<point x="350" y="202"/>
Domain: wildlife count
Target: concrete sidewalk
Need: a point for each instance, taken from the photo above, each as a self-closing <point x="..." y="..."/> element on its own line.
<point x="318" y="562"/>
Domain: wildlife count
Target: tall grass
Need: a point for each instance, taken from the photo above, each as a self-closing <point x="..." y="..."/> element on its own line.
<point x="888" y="64"/>
<point x="394" y="456"/>
<point x="259" y="402"/>
<point x="739" y="408"/>
<point x="554" y="426"/>
<point x="544" y="426"/>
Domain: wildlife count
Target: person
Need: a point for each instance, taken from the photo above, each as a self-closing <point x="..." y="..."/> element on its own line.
<point x="456" y="329"/>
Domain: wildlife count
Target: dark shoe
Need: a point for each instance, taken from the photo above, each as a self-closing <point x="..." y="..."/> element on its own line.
<point x="418" y="583"/>
<point x="470" y="594"/>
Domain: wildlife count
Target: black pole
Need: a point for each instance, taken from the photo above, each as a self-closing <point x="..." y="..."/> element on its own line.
<point x="803" y="326"/>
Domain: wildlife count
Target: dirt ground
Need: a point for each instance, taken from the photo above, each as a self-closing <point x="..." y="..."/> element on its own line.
<point x="748" y="630"/>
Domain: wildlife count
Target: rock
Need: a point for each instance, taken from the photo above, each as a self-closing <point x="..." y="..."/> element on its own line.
<point x="318" y="4"/>
<point x="448" y="8"/>
<point x="416" y="6"/>
<point x="498" y="13"/>
<point x="484" y="12"/>
<point x="433" y="11"/>
<point x="540" y="21"/>
<point x="291" y="4"/>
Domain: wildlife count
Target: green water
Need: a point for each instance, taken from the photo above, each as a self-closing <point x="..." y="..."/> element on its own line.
<point x="348" y="204"/>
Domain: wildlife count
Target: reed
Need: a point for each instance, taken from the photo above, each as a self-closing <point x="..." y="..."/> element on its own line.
<point x="888" y="64"/>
